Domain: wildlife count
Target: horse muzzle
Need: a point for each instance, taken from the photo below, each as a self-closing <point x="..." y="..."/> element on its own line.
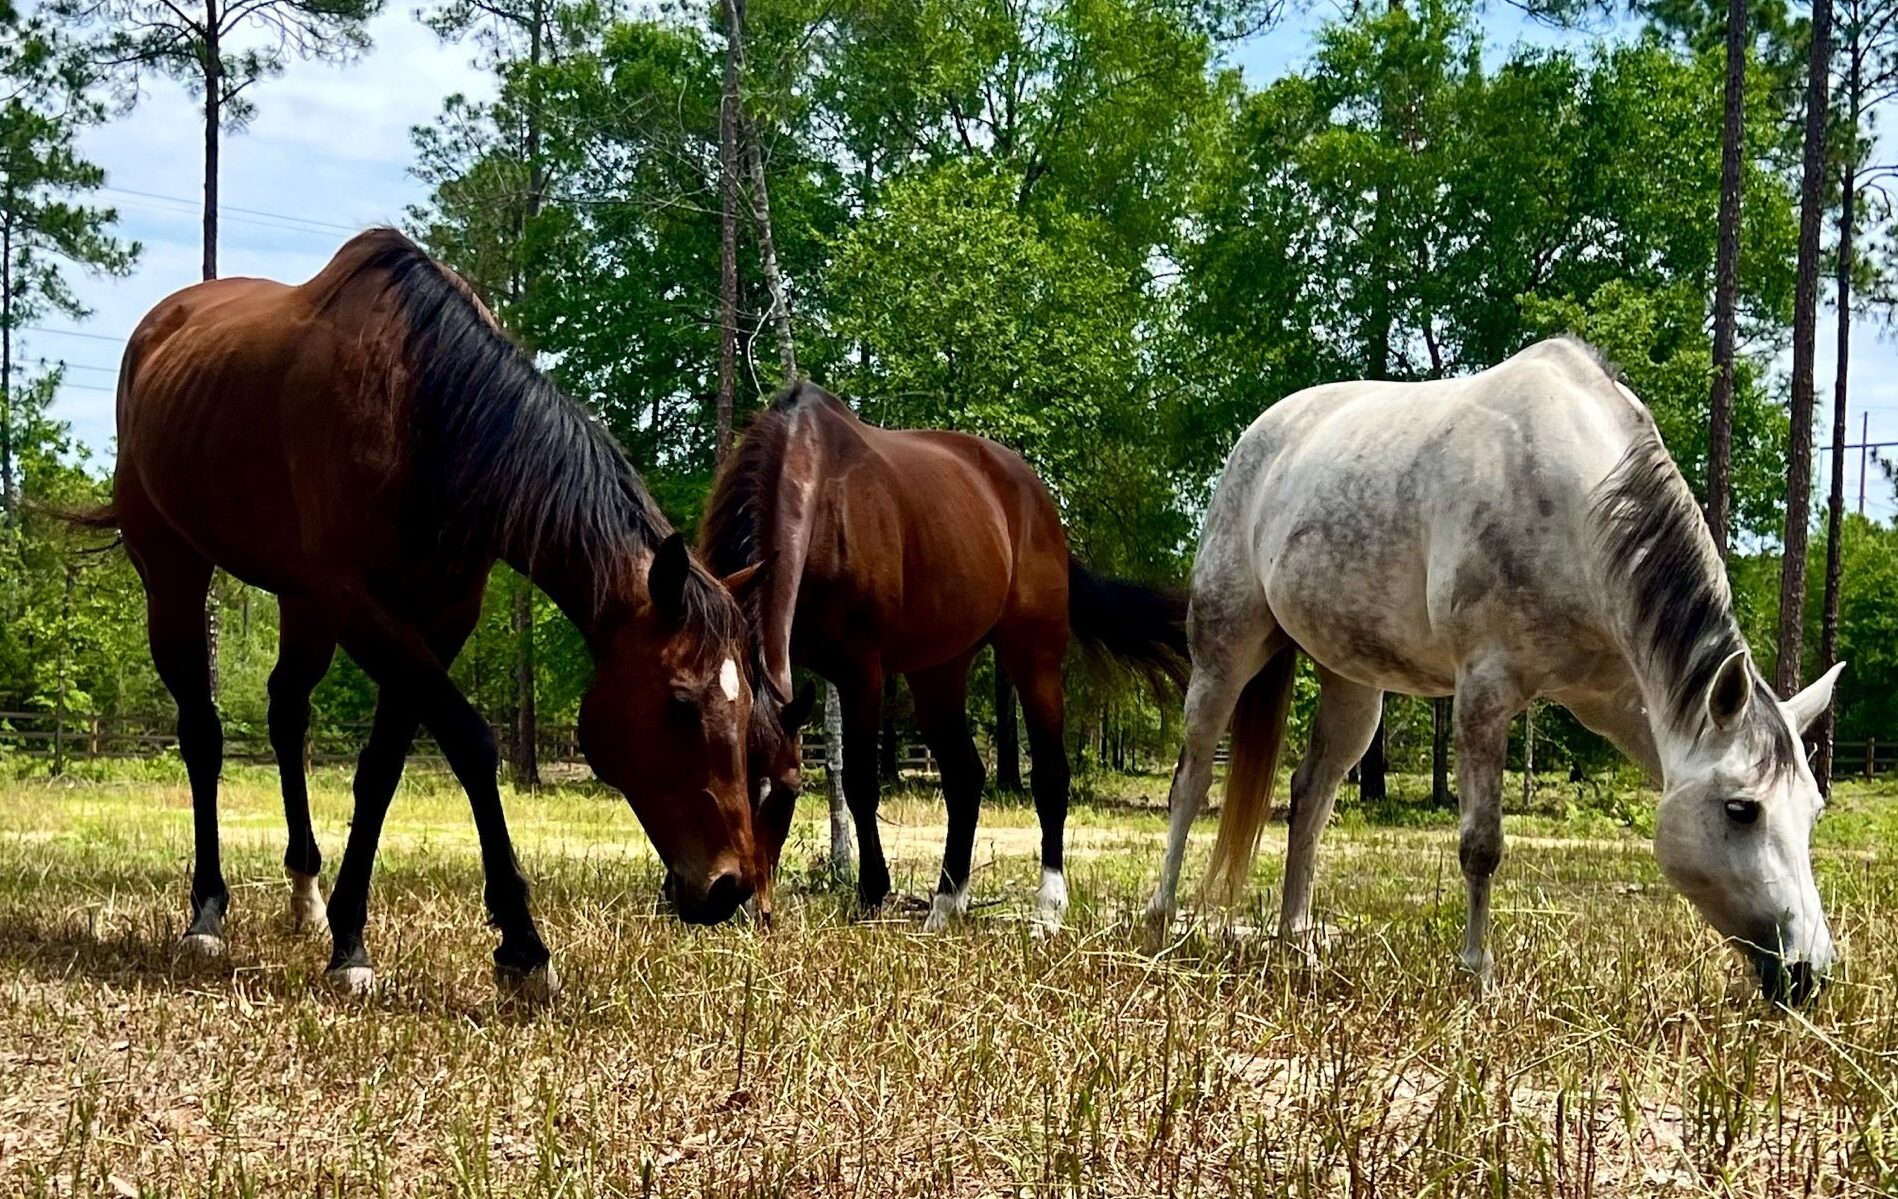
<point x="1790" y="983"/>
<point x="717" y="903"/>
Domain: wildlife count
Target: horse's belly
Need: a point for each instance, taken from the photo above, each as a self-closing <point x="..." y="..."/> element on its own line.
<point x="1383" y="647"/>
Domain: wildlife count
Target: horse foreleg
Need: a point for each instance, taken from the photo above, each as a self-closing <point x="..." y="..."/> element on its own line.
<point x="1341" y="731"/>
<point x="305" y="646"/>
<point x="378" y="770"/>
<point x="1487" y="699"/>
<point x="862" y="697"/>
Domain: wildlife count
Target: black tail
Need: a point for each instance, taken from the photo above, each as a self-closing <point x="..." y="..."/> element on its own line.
<point x="1144" y="627"/>
<point x="102" y="519"/>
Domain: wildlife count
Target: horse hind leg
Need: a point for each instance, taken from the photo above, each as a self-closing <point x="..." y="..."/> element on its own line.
<point x="1487" y="699"/>
<point x="177" y="581"/>
<point x="1232" y="640"/>
<point x="304" y="650"/>
<point x="1341" y="731"/>
<point x="1038" y="675"/>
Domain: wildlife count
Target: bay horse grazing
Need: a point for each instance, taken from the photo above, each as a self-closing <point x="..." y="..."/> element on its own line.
<point x="366" y="445"/>
<point x="1517" y="533"/>
<point x="885" y="551"/>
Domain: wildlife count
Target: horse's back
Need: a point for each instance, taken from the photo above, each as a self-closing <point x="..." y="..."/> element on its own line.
<point x="1391" y="527"/>
<point x="246" y="419"/>
<point x="939" y="537"/>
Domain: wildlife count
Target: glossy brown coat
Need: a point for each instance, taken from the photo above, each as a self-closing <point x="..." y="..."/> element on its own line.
<point x="366" y="445"/>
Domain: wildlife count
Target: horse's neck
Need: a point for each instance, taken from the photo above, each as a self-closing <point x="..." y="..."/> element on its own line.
<point x="1669" y="694"/>
<point x="589" y="593"/>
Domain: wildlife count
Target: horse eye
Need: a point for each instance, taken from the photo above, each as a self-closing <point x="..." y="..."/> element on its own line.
<point x="683" y="708"/>
<point x="1742" y="811"/>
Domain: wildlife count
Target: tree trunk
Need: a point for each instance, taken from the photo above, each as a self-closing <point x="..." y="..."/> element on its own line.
<point x="1835" y="501"/>
<point x="525" y="735"/>
<point x="526" y="740"/>
<point x="888" y="765"/>
<point x="1727" y="281"/>
<point x="9" y="495"/>
<point x="213" y="110"/>
<point x="834" y="784"/>
<point x="1007" y="736"/>
<point x="1529" y="754"/>
<point x="1374" y="766"/>
<point x="213" y="116"/>
<point x="1441" y="718"/>
<point x="728" y="233"/>
<point x="1812" y="198"/>
<point x="768" y="251"/>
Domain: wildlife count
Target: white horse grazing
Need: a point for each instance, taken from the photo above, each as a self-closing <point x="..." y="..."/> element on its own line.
<point x="1514" y="534"/>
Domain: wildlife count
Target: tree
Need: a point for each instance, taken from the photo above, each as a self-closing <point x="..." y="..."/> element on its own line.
<point x="44" y="229"/>
<point x="1727" y="277"/>
<point x="733" y="12"/>
<point x="218" y="52"/>
<point x="1868" y="80"/>
<point x="518" y="37"/>
<point x="1812" y="202"/>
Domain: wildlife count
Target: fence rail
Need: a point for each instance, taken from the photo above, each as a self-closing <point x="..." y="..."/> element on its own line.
<point x="76" y="737"/>
<point x="94" y="737"/>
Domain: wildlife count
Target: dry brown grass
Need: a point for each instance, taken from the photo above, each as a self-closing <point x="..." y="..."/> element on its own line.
<point x="1623" y="1053"/>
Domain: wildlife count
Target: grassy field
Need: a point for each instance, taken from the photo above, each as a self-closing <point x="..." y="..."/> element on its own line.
<point x="1623" y="1051"/>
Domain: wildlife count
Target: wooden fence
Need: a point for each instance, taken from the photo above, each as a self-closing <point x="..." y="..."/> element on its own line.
<point x="92" y="737"/>
<point x="77" y="737"/>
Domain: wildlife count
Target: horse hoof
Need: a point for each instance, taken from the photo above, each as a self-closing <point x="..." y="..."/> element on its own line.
<point x="1045" y="923"/>
<point x="308" y="912"/>
<point x="203" y="946"/>
<point x="943" y="909"/>
<point x="532" y="988"/>
<point x="353" y="981"/>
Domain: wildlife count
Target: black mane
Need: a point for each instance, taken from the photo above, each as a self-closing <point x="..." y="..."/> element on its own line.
<point x="507" y="461"/>
<point x="1654" y="538"/>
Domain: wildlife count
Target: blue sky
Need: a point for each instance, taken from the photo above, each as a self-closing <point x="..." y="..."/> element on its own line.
<point x="329" y="152"/>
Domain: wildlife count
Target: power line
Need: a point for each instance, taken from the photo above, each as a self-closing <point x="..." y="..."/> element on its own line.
<point x="74" y="333"/>
<point x="228" y="208"/>
<point x="78" y="366"/>
<point x="187" y="209"/>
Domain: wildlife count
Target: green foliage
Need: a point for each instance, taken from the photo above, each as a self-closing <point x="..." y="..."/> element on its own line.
<point x="1071" y="226"/>
<point x="1400" y="210"/>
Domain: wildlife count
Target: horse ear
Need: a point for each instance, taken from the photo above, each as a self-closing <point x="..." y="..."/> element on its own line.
<point x="1731" y="691"/>
<point x="1809" y="705"/>
<point x="795" y="713"/>
<point x="665" y="579"/>
<point x="741" y="583"/>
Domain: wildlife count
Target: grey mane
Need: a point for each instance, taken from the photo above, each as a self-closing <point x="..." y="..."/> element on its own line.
<point x="1652" y="536"/>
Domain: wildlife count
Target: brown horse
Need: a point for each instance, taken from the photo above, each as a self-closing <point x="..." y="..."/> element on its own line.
<point x="366" y="445"/>
<point x="898" y="551"/>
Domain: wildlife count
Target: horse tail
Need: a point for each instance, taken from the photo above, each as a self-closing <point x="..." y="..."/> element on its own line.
<point x="102" y="518"/>
<point x="1258" y="733"/>
<point x="1144" y="627"/>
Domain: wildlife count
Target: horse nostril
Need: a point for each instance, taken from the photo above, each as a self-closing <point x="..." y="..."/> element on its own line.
<point x="1805" y="982"/>
<point x="727" y="891"/>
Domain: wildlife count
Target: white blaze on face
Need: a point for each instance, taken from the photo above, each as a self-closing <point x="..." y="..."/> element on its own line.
<point x="728" y="679"/>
